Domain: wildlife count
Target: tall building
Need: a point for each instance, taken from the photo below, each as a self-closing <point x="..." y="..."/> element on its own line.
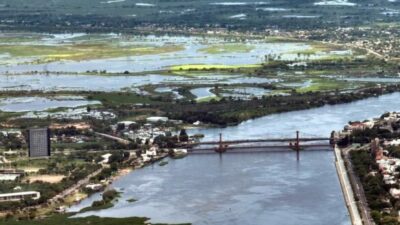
<point x="39" y="142"/>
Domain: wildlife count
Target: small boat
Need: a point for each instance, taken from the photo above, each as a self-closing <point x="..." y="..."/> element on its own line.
<point x="178" y="153"/>
<point x="163" y="163"/>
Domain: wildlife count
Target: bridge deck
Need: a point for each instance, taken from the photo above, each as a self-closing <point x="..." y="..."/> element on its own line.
<point x="260" y="141"/>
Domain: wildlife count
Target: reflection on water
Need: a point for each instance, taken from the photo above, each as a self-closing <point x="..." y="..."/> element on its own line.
<point x="257" y="188"/>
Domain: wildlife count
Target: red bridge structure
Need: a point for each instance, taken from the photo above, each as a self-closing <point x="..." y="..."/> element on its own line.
<point x="266" y="144"/>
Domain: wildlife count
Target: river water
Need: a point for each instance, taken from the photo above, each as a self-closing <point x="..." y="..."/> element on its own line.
<point x="253" y="188"/>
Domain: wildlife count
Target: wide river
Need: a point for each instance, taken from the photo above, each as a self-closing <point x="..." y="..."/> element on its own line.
<point x="253" y="188"/>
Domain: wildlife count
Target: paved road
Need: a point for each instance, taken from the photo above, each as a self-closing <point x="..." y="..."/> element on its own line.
<point x="357" y="186"/>
<point x="118" y="139"/>
<point x="74" y="187"/>
<point x="346" y="188"/>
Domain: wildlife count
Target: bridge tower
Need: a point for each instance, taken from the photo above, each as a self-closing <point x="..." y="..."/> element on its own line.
<point x="221" y="147"/>
<point x="297" y="145"/>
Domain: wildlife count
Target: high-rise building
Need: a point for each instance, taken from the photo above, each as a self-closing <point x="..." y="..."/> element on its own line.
<point x="39" y="142"/>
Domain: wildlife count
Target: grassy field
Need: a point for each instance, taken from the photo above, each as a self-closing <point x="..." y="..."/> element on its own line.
<point x="227" y="48"/>
<point x="76" y="52"/>
<point x="318" y="47"/>
<point x="119" y="98"/>
<point x="319" y="84"/>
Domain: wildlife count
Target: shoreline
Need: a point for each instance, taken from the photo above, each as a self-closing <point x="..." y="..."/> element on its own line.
<point x="121" y="173"/>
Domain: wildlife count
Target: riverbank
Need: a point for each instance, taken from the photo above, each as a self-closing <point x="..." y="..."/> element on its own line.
<point x="66" y="220"/>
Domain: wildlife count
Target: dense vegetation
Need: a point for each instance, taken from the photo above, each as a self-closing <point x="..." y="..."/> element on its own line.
<point x="63" y="219"/>
<point x="375" y="190"/>
<point x="226" y="112"/>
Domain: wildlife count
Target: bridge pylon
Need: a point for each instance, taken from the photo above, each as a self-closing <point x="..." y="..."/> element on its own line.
<point x="297" y="145"/>
<point x="221" y="147"/>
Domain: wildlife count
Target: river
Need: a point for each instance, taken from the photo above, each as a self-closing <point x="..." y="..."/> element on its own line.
<point x="253" y="188"/>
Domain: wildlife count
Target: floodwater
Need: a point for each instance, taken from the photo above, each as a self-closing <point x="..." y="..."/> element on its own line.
<point x="204" y="92"/>
<point x="53" y="82"/>
<point x="244" y="92"/>
<point x="191" y="54"/>
<point x="256" y="188"/>
<point x="169" y="90"/>
<point x="25" y="104"/>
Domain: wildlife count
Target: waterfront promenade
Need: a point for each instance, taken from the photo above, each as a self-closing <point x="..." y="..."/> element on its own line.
<point x="346" y="188"/>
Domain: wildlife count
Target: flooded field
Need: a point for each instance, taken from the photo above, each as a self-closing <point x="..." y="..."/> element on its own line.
<point x="244" y="92"/>
<point x="23" y="53"/>
<point x="202" y="93"/>
<point x="54" y="82"/>
<point x="26" y="104"/>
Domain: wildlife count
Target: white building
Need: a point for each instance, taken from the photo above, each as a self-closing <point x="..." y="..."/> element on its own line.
<point x="156" y="119"/>
<point x="18" y="196"/>
<point x="394" y="192"/>
<point x="106" y="158"/>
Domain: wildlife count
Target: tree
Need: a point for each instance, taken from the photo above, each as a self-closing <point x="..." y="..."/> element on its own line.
<point x="183" y="136"/>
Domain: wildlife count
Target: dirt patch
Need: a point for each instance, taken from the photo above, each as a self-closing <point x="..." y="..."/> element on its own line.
<point x="46" y="178"/>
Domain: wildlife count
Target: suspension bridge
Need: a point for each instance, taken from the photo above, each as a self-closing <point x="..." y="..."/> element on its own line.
<point x="295" y="143"/>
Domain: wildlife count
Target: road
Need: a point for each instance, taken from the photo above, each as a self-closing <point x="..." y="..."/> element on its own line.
<point x="76" y="186"/>
<point x="357" y="186"/>
<point x="346" y="188"/>
<point x="118" y="139"/>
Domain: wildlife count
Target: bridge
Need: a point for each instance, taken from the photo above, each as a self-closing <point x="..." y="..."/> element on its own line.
<point x="265" y="144"/>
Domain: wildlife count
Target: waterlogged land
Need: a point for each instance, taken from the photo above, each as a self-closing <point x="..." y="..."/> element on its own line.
<point x="193" y="68"/>
<point x="28" y="52"/>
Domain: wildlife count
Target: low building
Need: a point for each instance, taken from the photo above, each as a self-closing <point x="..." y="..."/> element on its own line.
<point x="394" y="192"/>
<point x="127" y="123"/>
<point x="19" y="196"/>
<point x="8" y="177"/>
<point x="106" y="158"/>
<point x="156" y="119"/>
<point x="94" y="187"/>
<point x="395" y="142"/>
